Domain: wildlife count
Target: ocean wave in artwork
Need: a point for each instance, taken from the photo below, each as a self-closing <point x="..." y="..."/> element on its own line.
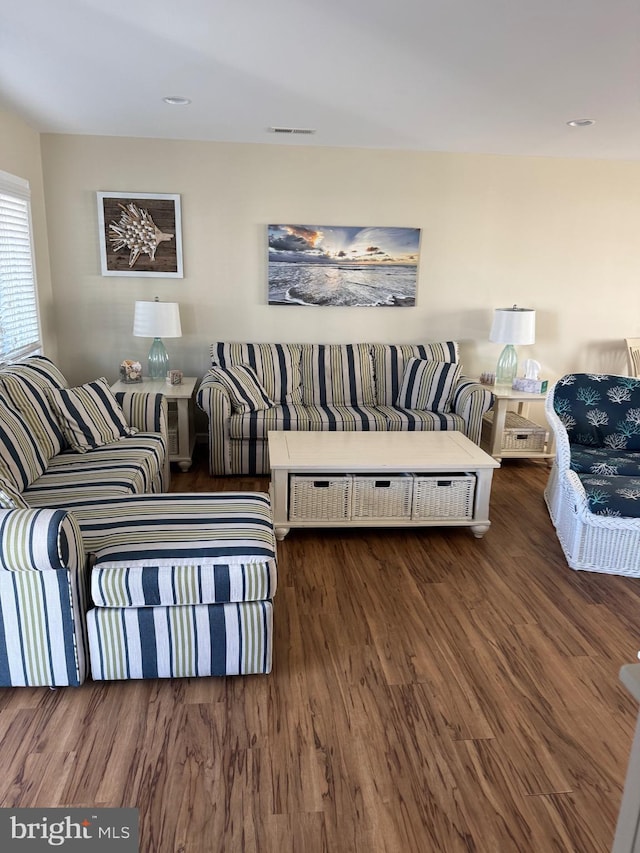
<point x="354" y="286"/>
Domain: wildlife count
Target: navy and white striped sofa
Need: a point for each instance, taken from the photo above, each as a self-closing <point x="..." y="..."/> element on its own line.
<point x="329" y="387"/>
<point x="43" y="563"/>
<point x="98" y="567"/>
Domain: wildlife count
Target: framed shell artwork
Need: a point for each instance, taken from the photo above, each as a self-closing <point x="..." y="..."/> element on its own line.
<point x="140" y="234"/>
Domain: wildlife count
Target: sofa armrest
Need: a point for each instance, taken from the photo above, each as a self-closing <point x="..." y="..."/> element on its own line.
<point x="39" y="540"/>
<point x="213" y="398"/>
<point x="43" y="595"/>
<point x="471" y="400"/>
<point x="146" y="412"/>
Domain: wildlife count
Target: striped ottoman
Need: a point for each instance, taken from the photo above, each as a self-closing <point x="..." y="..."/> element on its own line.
<point x="182" y="585"/>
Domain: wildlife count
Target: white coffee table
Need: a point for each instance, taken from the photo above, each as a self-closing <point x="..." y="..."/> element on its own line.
<point x="377" y="453"/>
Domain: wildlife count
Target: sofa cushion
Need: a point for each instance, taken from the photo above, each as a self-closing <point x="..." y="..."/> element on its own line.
<point x="337" y="374"/>
<point x="22" y="460"/>
<point x="346" y="418"/>
<point x="599" y="410"/>
<point x="243" y="386"/>
<point x="389" y="363"/>
<point x="276" y="365"/>
<point x="130" y="466"/>
<point x="428" y="385"/>
<point x="612" y="495"/>
<point x="180" y="548"/>
<point x="603" y="460"/>
<point x="416" y="420"/>
<point x="89" y="415"/>
<point x="256" y="425"/>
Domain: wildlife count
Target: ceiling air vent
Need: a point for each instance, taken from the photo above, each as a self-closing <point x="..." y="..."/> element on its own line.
<point x="305" y="131"/>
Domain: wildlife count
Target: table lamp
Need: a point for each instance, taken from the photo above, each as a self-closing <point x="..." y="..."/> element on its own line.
<point x="511" y="326"/>
<point x="157" y="320"/>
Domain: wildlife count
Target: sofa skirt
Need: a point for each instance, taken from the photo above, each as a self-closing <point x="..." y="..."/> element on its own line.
<point x="180" y="641"/>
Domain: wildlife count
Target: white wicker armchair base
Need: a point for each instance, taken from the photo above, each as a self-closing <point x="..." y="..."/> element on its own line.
<point x="594" y="543"/>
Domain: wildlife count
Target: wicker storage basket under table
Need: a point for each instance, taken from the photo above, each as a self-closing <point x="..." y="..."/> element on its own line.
<point x="447" y="496"/>
<point x="519" y="433"/>
<point x="172" y="431"/>
<point x="381" y="497"/>
<point x="321" y="497"/>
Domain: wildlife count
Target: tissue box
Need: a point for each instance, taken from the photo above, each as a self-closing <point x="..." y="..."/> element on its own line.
<point x="533" y="386"/>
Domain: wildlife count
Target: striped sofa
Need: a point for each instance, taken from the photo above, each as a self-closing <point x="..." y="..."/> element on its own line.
<point x="100" y="568"/>
<point x="252" y="388"/>
<point x="43" y="550"/>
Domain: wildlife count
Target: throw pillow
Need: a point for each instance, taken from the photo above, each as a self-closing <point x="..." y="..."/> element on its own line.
<point x="89" y="415"/>
<point x="244" y="388"/>
<point x="428" y="385"/>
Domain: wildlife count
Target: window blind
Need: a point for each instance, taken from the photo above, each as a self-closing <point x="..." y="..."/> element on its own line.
<point x="19" y="318"/>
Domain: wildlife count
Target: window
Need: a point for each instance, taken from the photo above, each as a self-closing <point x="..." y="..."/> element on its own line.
<point x="19" y="319"/>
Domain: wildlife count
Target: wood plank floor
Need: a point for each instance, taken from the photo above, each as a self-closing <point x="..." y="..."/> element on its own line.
<point x="430" y="692"/>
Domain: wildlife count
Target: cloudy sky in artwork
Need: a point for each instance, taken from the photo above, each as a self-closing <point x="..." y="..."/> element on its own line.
<point x="320" y="244"/>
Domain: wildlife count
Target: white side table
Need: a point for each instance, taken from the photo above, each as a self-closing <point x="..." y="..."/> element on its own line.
<point x="179" y="398"/>
<point x="504" y="398"/>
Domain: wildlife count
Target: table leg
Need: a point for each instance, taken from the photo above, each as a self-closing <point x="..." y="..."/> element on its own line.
<point x="500" y="407"/>
<point x="280" y="502"/>
<point x="481" y="521"/>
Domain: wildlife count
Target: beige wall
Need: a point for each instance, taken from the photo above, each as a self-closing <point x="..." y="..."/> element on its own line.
<point x="20" y="155"/>
<point x="560" y="236"/>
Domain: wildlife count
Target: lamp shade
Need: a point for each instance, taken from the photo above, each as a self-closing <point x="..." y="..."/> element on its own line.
<point x="157" y="320"/>
<point x="513" y="326"/>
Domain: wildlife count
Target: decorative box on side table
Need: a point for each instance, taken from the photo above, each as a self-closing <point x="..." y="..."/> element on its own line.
<point x="179" y="398"/>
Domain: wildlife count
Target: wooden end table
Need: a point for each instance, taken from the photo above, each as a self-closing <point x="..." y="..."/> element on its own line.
<point x="504" y="398"/>
<point x="182" y="437"/>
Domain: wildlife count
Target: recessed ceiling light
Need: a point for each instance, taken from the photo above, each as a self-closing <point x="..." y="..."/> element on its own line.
<point x="581" y="122"/>
<point x="176" y="100"/>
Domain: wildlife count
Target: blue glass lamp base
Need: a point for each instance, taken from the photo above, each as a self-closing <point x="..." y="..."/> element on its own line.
<point x="158" y="360"/>
<point x="507" y="367"/>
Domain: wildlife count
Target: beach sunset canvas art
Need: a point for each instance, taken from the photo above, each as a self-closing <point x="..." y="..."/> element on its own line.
<point x="343" y="266"/>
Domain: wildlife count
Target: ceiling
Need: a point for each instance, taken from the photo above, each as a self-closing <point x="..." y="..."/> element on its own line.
<point x="487" y="76"/>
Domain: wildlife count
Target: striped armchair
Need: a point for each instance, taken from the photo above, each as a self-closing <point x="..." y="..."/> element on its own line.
<point x="253" y="388"/>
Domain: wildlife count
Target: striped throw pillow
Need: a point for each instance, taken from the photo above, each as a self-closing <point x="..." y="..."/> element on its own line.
<point x="89" y="415"/>
<point x="428" y="385"/>
<point x="243" y="387"/>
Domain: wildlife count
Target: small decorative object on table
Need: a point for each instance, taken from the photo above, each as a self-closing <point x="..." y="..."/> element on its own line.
<point x="174" y="377"/>
<point x="487" y="378"/>
<point x="533" y="386"/>
<point x="131" y="371"/>
<point x="530" y="381"/>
